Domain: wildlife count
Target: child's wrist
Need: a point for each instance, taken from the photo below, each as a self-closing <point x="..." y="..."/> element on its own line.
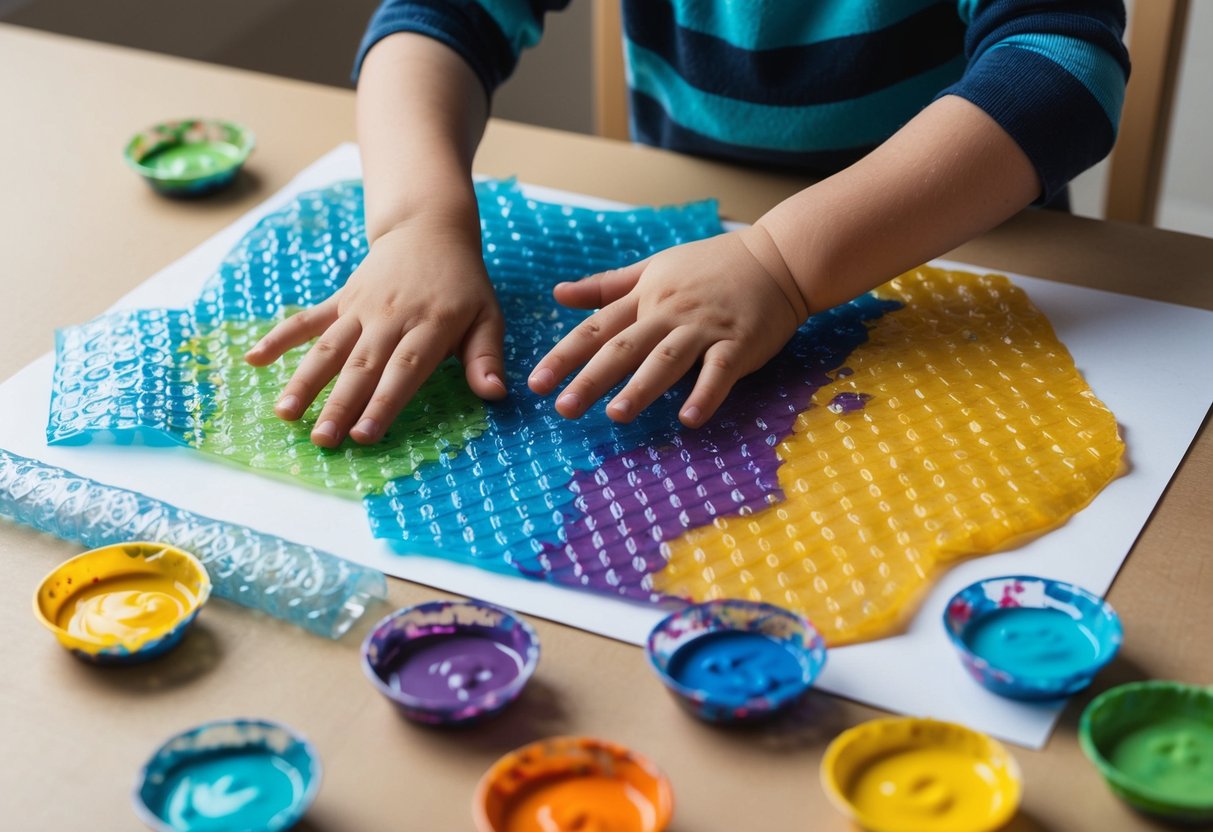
<point x="765" y="248"/>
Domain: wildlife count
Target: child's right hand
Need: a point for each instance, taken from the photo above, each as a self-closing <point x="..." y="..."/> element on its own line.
<point x="421" y="295"/>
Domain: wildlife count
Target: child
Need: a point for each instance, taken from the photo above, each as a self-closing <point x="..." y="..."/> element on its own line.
<point x="938" y="120"/>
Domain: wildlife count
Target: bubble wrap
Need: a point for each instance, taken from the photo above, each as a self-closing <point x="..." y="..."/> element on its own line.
<point x="312" y="589"/>
<point x="976" y="432"/>
<point x="816" y="487"/>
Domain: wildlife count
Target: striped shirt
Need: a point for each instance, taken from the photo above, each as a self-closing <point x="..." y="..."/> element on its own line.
<point x="813" y="85"/>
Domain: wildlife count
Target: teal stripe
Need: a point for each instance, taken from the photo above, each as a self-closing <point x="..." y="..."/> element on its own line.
<point x="514" y="17"/>
<point x="854" y="122"/>
<point x="770" y="24"/>
<point x="1094" y="67"/>
<point x="966" y="9"/>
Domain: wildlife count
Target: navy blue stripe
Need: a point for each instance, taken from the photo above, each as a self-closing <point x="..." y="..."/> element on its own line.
<point x="466" y="28"/>
<point x="796" y="76"/>
<point x="652" y="125"/>
<point x="1048" y="112"/>
<point x="1102" y="22"/>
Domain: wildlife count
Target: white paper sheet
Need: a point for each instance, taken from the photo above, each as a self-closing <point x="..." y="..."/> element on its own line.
<point x="1138" y="356"/>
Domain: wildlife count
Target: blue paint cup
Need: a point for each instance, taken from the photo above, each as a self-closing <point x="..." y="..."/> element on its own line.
<point x="228" y="774"/>
<point x="1026" y="637"/>
<point x="734" y="661"/>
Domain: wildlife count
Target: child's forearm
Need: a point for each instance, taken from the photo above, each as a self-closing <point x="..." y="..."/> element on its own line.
<point x="421" y="113"/>
<point x="948" y="175"/>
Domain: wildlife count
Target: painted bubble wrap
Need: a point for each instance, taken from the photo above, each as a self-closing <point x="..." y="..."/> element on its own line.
<point x="935" y="418"/>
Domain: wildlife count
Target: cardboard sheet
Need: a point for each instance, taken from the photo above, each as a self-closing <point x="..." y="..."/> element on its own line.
<point x="1146" y="360"/>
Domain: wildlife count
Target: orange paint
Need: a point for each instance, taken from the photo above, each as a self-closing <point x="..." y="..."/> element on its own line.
<point x="573" y="784"/>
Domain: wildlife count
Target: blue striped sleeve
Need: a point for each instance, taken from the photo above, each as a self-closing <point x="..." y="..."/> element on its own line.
<point x="489" y="34"/>
<point x="1052" y="75"/>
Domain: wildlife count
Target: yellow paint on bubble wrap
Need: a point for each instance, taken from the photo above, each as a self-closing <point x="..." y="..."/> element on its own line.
<point x="979" y="433"/>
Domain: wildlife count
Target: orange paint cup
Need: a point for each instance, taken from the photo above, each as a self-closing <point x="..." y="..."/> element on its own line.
<point x="573" y="783"/>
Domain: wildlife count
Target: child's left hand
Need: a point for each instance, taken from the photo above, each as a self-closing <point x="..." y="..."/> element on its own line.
<point x="729" y="300"/>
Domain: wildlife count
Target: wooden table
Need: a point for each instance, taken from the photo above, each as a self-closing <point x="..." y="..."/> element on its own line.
<point x="78" y="229"/>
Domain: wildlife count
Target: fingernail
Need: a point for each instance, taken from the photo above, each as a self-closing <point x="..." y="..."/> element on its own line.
<point x="287" y="405"/>
<point x="543" y="377"/>
<point x="369" y="428"/>
<point x="623" y="407"/>
<point x="325" y="430"/>
<point x="570" y="401"/>
<point x="495" y="379"/>
<point x="691" y="414"/>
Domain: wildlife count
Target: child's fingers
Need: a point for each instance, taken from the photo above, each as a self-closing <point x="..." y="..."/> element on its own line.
<point x="298" y="329"/>
<point x="482" y="359"/>
<point x="666" y="364"/>
<point x="413" y="361"/>
<point x="618" y="357"/>
<point x="720" y="371"/>
<point x="582" y="342"/>
<point x="322" y="362"/>
<point x="355" y="384"/>
<point x="599" y="290"/>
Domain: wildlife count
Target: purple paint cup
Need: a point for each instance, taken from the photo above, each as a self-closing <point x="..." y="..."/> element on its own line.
<point x="450" y="662"/>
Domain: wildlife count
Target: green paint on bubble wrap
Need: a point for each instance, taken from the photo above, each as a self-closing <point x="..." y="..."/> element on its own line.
<point x="240" y="425"/>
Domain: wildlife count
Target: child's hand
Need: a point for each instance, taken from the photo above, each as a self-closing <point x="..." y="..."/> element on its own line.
<point x="420" y="295"/>
<point x="729" y="300"/>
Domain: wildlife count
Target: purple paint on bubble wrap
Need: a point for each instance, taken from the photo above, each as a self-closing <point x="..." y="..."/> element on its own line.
<point x="451" y="670"/>
<point x="629" y="506"/>
<point x="849" y="402"/>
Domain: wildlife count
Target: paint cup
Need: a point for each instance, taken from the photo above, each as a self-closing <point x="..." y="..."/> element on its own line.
<point x="1153" y="744"/>
<point x="122" y="604"/>
<point x="189" y="157"/>
<point x="450" y="662"/>
<point x="731" y="661"/>
<point x="1032" y="638"/>
<point x="226" y="775"/>
<point x="573" y="783"/>
<point x="903" y="774"/>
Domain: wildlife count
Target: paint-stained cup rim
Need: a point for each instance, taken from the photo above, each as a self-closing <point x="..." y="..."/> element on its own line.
<point x="811" y="655"/>
<point x="892" y="728"/>
<point x="473" y="708"/>
<point x="1114" y="776"/>
<point x="502" y="768"/>
<point x="1109" y="646"/>
<point x="177" y="131"/>
<point x="91" y="645"/>
<point x="298" y="809"/>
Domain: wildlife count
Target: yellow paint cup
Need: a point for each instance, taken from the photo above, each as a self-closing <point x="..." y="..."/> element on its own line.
<point x="906" y="775"/>
<point x="124" y="603"/>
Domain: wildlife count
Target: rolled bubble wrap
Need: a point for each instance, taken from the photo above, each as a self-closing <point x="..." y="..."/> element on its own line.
<point x="315" y="590"/>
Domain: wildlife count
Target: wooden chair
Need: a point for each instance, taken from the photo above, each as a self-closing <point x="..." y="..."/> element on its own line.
<point x="1135" y="177"/>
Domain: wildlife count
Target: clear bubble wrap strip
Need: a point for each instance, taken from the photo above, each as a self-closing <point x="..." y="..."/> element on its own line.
<point x="314" y="590"/>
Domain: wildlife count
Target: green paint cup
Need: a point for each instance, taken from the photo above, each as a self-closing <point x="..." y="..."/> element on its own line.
<point x="190" y="157"/>
<point x="1153" y="744"/>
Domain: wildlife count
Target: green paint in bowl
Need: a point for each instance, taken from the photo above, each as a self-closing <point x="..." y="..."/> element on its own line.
<point x="190" y="157"/>
<point x="1153" y="744"/>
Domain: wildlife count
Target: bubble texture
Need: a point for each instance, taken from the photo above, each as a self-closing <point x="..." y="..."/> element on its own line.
<point x="180" y="375"/>
<point x="978" y="432"/>
<point x="305" y="586"/>
<point x="933" y="419"/>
